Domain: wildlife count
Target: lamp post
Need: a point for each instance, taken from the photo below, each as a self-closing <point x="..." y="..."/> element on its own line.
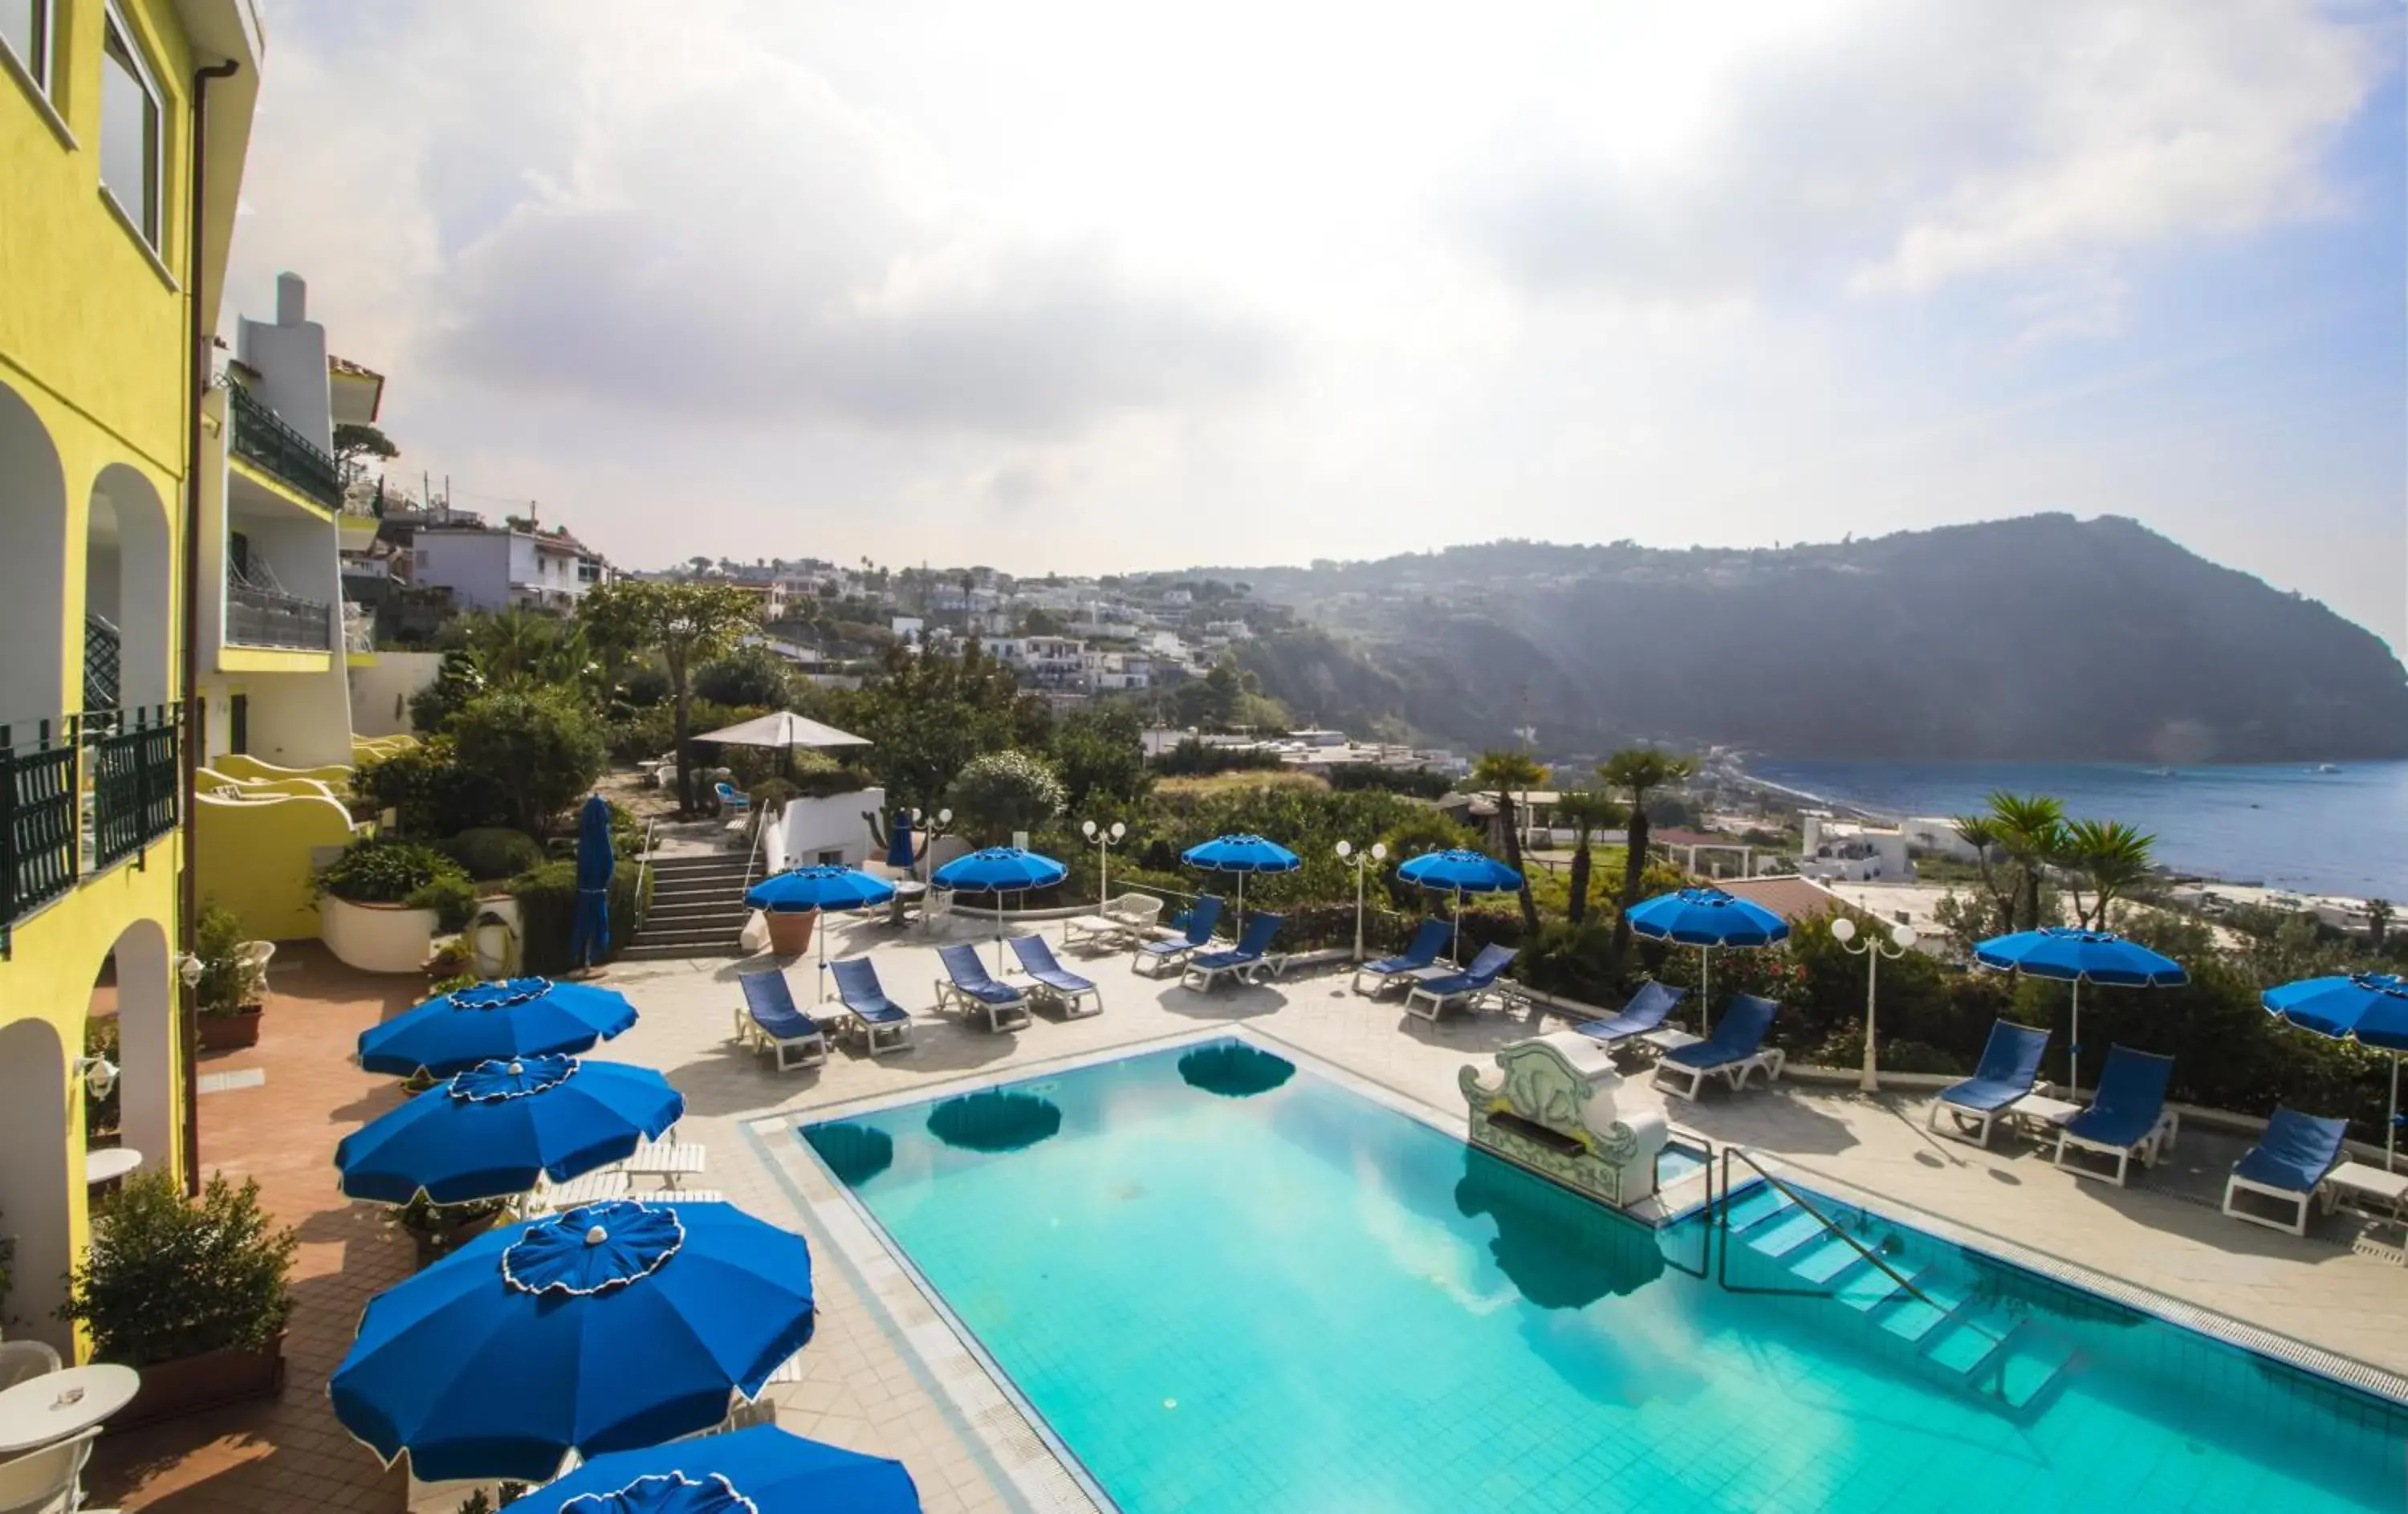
<point x="1873" y="949"/>
<point x="931" y="830"/>
<point x="1362" y="864"/>
<point x="1103" y="836"/>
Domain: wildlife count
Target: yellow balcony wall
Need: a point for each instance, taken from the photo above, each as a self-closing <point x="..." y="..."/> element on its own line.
<point x="243" y="767"/>
<point x="257" y="851"/>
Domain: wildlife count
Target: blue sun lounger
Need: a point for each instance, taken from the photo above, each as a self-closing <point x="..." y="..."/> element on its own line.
<point x="1645" y="1012"/>
<point x="2009" y="1067"/>
<point x="770" y="1021"/>
<point x="970" y="987"/>
<point x="1201" y="921"/>
<point x="1248" y="960"/>
<point x="1430" y="939"/>
<point x="1037" y="960"/>
<point x="1734" y="1050"/>
<point x="2127" y="1117"/>
<point x="1465" y="987"/>
<point x="883" y="1023"/>
<point x="2288" y="1165"/>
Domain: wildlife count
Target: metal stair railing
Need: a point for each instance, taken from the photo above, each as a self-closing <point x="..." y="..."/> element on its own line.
<point x="1722" y="1221"/>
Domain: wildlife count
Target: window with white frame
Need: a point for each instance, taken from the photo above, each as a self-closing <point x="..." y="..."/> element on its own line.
<point x="25" y="33"/>
<point x="131" y="151"/>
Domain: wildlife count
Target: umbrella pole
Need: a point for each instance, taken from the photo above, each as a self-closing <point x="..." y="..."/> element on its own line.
<point x="1456" y="945"/>
<point x="2074" y="1047"/>
<point x="819" y="982"/>
<point x="2391" y="1126"/>
<point x="1706" y="990"/>
<point x="1242" y="907"/>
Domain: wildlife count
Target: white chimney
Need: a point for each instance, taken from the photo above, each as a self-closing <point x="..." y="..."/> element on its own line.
<point x="292" y="300"/>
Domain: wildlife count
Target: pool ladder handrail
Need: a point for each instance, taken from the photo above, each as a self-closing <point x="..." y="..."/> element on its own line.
<point x="1706" y="1144"/>
<point x="1722" y="1222"/>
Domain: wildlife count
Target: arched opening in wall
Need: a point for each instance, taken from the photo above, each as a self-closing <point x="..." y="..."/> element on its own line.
<point x="128" y="594"/>
<point x="34" y="1180"/>
<point x="132" y="1022"/>
<point x="33" y="570"/>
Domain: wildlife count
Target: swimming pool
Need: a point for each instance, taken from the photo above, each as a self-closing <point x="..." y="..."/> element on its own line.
<point x="1228" y="1283"/>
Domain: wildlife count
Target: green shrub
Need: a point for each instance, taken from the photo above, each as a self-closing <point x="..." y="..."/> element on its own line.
<point x="492" y="853"/>
<point x="1003" y="792"/>
<point x="430" y="793"/>
<point x="376" y="870"/>
<point x="165" y="1279"/>
<point x="772" y="794"/>
<point x="453" y="898"/>
<point x="541" y="747"/>
<point x="547" y="899"/>
<point x="227" y="983"/>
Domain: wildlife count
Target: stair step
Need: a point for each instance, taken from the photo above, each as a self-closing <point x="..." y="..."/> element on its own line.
<point x="1778" y="1237"/>
<point x="1914" y="1319"/>
<point x="1757" y="1205"/>
<point x="2033" y="1366"/>
<point x="674" y="954"/>
<point x="674" y="909"/>
<point x="1825" y="1262"/>
<point x="1866" y="1290"/>
<point x="1968" y="1340"/>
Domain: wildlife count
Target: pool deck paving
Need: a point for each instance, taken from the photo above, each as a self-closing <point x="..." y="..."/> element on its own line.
<point x="885" y="1374"/>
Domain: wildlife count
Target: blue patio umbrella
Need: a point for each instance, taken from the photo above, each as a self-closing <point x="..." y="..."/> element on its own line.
<point x="2068" y="955"/>
<point x="1242" y="854"/>
<point x="511" y="1017"/>
<point x="898" y="841"/>
<point x="605" y="1328"/>
<point x="494" y="1129"/>
<point x="2370" y="1008"/>
<point x="999" y="870"/>
<point x="1707" y="919"/>
<point x="824" y="888"/>
<point x="589" y="936"/>
<point x="1458" y="871"/>
<point x="763" y="1470"/>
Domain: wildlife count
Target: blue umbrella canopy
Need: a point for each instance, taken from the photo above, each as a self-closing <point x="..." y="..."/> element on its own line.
<point x="1707" y="919"/>
<point x="1459" y="871"/>
<point x="823" y="887"/>
<point x="2370" y="1008"/>
<point x="763" y="1470"/>
<point x="999" y="869"/>
<point x="2068" y="955"/>
<point x="898" y="841"/>
<point x="610" y="1327"/>
<point x="589" y="935"/>
<point x="1241" y="853"/>
<point x="494" y="1129"/>
<point x="494" y="1021"/>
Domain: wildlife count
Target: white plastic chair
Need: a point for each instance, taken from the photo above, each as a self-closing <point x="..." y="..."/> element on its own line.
<point x="21" y="1360"/>
<point x="45" y="1481"/>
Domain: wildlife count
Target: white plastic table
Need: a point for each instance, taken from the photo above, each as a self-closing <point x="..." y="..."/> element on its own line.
<point x="43" y="1410"/>
<point x="108" y="1166"/>
<point x="2039" y="1111"/>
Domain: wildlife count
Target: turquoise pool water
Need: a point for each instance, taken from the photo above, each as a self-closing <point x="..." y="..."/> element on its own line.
<point x="1247" y="1287"/>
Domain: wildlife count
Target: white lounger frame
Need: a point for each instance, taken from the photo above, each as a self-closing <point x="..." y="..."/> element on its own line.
<point x="1270" y="964"/>
<point x="1006" y="1016"/>
<point x="2162" y="1138"/>
<point x="1771" y="1060"/>
<point x="2323" y="1197"/>
<point x="1989" y="1119"/>
<point x="1468" y="998"/>
<point x="804" y="1050"/>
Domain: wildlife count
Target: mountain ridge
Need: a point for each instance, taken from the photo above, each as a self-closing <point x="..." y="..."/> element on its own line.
<point x="2041" y="636"/>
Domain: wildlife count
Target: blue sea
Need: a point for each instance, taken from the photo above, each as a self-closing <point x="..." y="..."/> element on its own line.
<point x="2284" y="825"/>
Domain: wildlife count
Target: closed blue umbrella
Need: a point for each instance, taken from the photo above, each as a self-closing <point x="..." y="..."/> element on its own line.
<point x="2370" y="1008"/>
<point x="513" y="1018"/>
<point x="589" y="936"/>
<point x="999" y="870"/>
<point x="823" y="887"/>
<point x="1707" y="919"/>
<point x="2066" y="955"/>
<point x="497" y="1127"/>
<point x="763" y="1470"/>
<point x="898" y="841"/>
<point x="1242" y="854"/>
<point x="1459" y="871"/>
<point x="610" y="1327"/>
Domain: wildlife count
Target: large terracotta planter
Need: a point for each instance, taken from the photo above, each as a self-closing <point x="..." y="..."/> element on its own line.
<point x="171" y="1389"/>
<point x="790" y="931"/>
<point x="230" y="1032"/>
<point x="375" y="938"/>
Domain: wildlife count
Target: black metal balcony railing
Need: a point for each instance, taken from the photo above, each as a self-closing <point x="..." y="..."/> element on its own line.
<point x="261" y="436"/>
<point x="102" y="663"/>
<point x="263" y="617"/>
<point x="80" y="793"/>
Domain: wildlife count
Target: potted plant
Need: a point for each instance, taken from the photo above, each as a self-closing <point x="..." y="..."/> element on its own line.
<point x="437" y="1230"/>
<point x="232" y="989"/>
<point x="192" y="1292"/>
<point x="381" y="902"/>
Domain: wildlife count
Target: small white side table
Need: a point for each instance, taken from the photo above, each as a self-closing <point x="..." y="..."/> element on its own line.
<point x="108" y="1165"/>
<point x="45" y="1410"/>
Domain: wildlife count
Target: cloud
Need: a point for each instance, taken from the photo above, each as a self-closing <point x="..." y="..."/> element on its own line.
<point x="1901" y="147"/>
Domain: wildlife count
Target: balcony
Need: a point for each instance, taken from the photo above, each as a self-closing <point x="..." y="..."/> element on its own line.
<point x="261" y="437"/>
<point x="79" y="794"/>
<point x="265" y="617"/>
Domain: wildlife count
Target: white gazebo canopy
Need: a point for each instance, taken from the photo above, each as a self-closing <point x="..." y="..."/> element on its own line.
<point x="784" y="728"/>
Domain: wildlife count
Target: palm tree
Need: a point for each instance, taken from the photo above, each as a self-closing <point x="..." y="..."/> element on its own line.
<point x="2029" y="829"/>
<point x="1975" y="830"/>
<point x="1508" y="774"/>
<point x="2112" y="855"/>
<point x="1634" y="770"/>
<point x="2378" y="920"/>
<point x="1587" y="811"/>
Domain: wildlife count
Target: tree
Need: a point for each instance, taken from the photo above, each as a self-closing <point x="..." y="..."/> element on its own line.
<point x="1587" y="811"/>
<point x="686" y="624"/>
<point x="542" y="747"/>
<point x="2378" y="920"/>
<point x="1041" y="621"/>
<point x="1634" y="770"/>
<point x="1975" y="830"/>
<point x="928" y="715"/>
<point x="1003" y="792"/>
<point x="2111" y="856"/>
<point x="1507" y="773"/>
<point x="356" y="440"/>
<point x="457" y="680"/>
<point x="746" y="676"/>
<point x="1100" y="752"/>
<point x="2029" y="829"/>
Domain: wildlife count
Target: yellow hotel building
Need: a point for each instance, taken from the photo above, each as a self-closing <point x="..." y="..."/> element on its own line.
<point x="123" y="126"/>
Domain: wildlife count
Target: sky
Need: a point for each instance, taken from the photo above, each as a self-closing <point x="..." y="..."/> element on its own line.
<point x="1078" y="285"/>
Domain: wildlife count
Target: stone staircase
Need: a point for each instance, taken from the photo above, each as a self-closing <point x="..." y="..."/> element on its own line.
<point x="1938" y="1327"/>
<point x="698" y="907"/>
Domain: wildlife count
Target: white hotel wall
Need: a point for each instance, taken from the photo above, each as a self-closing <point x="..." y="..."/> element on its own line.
<point x="809" y="827"/>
